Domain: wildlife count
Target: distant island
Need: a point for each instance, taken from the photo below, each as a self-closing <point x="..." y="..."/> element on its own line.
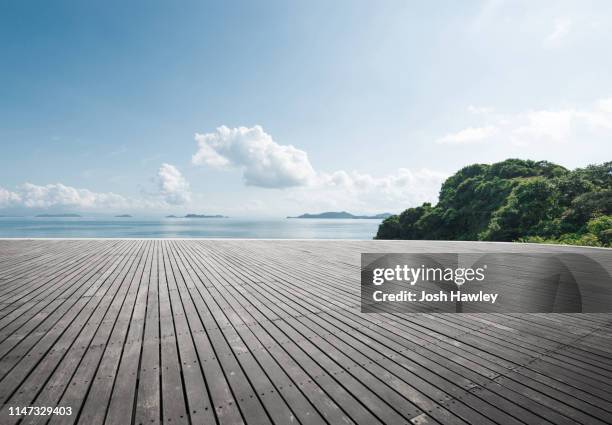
<point x="198" y="216"/>
<point x="57" y="215"/>
<point x="123" y="216"/>
<point x="344" y="214"/>
<point x="205" y="216"/>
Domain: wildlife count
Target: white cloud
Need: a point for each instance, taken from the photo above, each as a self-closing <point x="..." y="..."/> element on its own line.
<point x="526" y="25"/>
<point x="599" y="117"/>
<point x="52" y="195"/>
<point x="540" y="126"/>
<point x="264" y="162"/>
<point x="562" y="27"/>
<point x="605" y="105"/>
<point x="401" y="187"/>
<point x="364" y="193"/>
<point x="544" y="125"/>
<point x="476" y="110"/>
<point x="173" y="188"/>
<point x="468" y="135"/>
<point x="8" y="198"/>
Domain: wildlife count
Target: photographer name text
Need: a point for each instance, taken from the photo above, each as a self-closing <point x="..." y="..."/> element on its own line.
<point x="441" y="296"/>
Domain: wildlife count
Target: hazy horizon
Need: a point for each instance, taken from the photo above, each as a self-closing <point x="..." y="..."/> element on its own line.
<point x="162" y="215"/>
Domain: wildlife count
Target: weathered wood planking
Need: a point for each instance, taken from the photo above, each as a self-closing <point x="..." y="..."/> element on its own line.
<point x="270" y="332"/>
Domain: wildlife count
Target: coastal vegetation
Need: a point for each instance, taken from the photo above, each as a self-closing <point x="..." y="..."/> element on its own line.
<point x="514" y="200"/>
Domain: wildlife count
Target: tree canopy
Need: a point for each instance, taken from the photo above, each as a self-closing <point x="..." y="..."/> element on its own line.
<point x="514" y="200"/>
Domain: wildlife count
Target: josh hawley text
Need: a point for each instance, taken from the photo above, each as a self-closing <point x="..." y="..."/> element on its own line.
<point x="413" y="275"/>
<point x="453" y="296"/>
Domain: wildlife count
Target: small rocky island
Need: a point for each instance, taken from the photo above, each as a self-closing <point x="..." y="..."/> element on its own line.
<point x="198" y="216"/>
<point x="344" y="214"/>
<point x="123" y="216"/>
<point x="68" y="215"/>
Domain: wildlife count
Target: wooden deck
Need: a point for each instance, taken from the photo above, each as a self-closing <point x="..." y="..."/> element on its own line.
<point x="269" y="332"/>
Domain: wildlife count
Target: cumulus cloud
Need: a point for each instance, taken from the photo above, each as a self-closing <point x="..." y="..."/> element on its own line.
<point x="263" y="162"/>
<point x="468" y="135"/>
<point x="479" y="109"/>
<point x="561" y="28"/>
<point x="539" y="126"/>
<point x="544" y="125"/>
<point x="362" y="192"/>
<point x="51" y="195"/>
<point x="8" y="198"/>
<point x="403" y="185"/>
<point x="605" y="105"/>
<point x="173" y="188"/>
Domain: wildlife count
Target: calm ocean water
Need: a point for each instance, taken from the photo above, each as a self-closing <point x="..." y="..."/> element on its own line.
<point x="30" y="227"/>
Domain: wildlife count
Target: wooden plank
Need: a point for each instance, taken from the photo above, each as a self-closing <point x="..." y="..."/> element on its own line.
<point x="84" y="376"/>
<point x="275" y="404"/>
<point x="16" y="368"/>
<point x="148" y="402"/>
<point x="172" y="384"/>
<point x="55" y="386"/>
<point x="195" y="387"/>
<point x="121" y="407"/>
<point x="94" y="410"/>
<point x="263" y="331"/>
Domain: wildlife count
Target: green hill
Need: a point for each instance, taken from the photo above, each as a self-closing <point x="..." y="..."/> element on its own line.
<point x="515" y="200"/>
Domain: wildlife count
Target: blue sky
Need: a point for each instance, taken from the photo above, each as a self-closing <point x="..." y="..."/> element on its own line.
<point x="275" y="108"/>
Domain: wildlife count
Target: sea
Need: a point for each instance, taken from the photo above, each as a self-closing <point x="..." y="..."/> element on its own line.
<point x="239" y="228"/>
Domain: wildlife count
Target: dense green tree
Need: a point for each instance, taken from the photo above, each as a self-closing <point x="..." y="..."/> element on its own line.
<point x="409" y="222"/>
<point x="599" y="175"/>
<point x="587" y="205"/>
<point x="601" y="227"/>
<point x="514" y="200"/>
<point x="390" y="228"/>
<point x="572" y="185"/>
<point x="527" y="211"/>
